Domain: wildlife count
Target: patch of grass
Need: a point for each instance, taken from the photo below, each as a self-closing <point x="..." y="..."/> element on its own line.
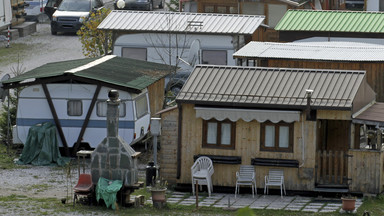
<point x="6" y="159"/>
<point x="12" y="54"/>
<point x="38" y="187"/>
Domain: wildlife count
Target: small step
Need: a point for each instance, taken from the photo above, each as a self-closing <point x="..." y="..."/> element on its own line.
<point x="331" y="190"/>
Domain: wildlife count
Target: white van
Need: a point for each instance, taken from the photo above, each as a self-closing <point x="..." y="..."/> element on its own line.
<point x="72" y="102"/>
<point x="35" y="8"/>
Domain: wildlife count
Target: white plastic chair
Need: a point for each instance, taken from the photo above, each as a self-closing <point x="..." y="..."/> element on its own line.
<point x="246" y="176"/>
<point x="275" y="178"/>
<point x="202" y="171"/>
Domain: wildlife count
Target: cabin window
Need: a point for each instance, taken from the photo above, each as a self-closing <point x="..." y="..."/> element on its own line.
<point x="135" y="53"/>
<point x="219" y="134"/>
<point x="101" y="109"/>
<point x="141" y="106"/>
<point x="74" y="108"/>
<point x="223" y="9"/>
<point x="215" y="57"/>
<point x="276" y="137"/>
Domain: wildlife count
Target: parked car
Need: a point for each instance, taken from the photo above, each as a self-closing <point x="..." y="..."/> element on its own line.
<point x="140" y="4"/>
<point x="35" y="8"/>
<point x="71" y="14"/>
<point x="51" y="7"/>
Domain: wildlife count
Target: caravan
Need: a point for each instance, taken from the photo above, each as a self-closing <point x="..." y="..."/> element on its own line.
<point x="181" y="50"/>
<point x="71" y="102"/>
<point x="73" y="94"/>
<point x="5" y="14"/>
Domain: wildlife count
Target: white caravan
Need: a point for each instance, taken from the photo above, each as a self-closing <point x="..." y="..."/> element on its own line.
<point x="181" y="50"/>
<point x="71" y="102"/>
<point x="5" y="14"/>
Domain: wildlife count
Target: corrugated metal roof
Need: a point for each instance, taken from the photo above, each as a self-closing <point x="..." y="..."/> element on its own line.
<point x="124" y="72"/>
<point x="270" y="87"/>
<point x="374" y="115"/>
<point x="160" y="21"/>
<point x="324" y="51"/>
<point x="332" y="21"/>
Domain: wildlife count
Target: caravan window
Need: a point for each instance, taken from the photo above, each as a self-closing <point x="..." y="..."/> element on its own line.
<point x="135" y="53"/>
<point x="74" y="108"/>
<point x="215" y="57"/>
<point x="141" y="106"/>
<point x="101" y="109"/>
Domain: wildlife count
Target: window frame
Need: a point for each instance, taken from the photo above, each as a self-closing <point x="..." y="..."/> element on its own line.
<point x="136" y="49"/>
<point x="216" y="8"/>
<point x="81" y="107"/>
<point x="205" y="51"/>
<point x="218" y="144"/>
<point x="276" y="147"/>
<point x="147" y="104"/>
<point x="121" y="105"/>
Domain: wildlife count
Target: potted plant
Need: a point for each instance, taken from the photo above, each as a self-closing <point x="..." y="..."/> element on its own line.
<point x="348" y="202"/>
<point x="158" y="190"/>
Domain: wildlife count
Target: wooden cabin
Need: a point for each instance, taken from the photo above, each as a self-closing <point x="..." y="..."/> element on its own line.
<point x="300" y="24"/>
<point x="298" y="120"/>
<point x="322" y="55"/>
<point x="273" y="10"/>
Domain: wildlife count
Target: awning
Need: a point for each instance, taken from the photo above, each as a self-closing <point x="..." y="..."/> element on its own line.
<point x="247" y="115"/>
<point x="373" y="115"/>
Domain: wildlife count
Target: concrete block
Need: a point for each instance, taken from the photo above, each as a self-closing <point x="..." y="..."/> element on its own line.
<point x="26" y="28"/>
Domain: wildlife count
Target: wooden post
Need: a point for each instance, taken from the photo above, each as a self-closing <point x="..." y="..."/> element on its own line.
<point x="197" y="194"/>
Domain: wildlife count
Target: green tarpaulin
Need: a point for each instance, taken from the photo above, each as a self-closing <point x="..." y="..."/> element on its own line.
<point x="107" y="190"/>
<point x="41" y="147"/>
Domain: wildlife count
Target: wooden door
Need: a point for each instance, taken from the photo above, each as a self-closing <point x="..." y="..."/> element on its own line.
<point x="331" y="155"/>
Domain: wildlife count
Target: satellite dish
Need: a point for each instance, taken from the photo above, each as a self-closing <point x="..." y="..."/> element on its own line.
<point x="3" y="92"/>
<point x="194" y="53"/>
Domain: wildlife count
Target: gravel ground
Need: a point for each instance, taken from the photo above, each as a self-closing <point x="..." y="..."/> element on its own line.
<point x="50" y="48"/>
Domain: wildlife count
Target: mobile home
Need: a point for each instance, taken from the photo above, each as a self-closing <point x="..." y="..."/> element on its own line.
<point x="70" y="101"/>
<point x="181" y="50"/>
<point x="73" y="94"/>
<point x="181" y="39"/>
<point x="5" y="14"/>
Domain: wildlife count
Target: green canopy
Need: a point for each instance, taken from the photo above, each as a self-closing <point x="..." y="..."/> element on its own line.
<point x="41" y="147"/>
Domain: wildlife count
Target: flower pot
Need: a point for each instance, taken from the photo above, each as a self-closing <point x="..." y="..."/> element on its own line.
<point x="348" y="203"/>
<point x="158" y="195"/>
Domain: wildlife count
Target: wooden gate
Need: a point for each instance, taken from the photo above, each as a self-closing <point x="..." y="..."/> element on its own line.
<point x="331" y="168"/>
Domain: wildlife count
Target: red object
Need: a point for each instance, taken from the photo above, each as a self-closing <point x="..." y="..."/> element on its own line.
<point x="84" y="184"/>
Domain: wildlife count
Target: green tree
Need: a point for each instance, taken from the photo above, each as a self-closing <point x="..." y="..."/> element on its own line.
<point x="4" y="127"/>
<point x="94" y="41"/>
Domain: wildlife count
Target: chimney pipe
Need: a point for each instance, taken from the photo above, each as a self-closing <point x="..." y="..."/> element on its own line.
<point x="113" y="113"/>
<point x="308" y="94"/>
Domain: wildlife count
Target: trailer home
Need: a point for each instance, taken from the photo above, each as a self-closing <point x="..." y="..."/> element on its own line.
<point x="180" y="39"/>
<point x="73" y="95"/>
<point x="5" y="14"/>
